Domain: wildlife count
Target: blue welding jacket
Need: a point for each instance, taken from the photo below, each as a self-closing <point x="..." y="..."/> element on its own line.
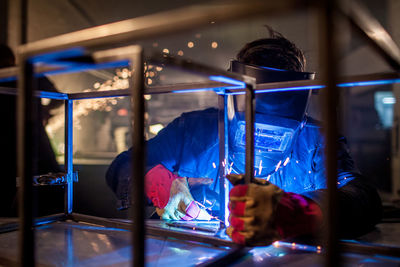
<point x="189" y="147"/>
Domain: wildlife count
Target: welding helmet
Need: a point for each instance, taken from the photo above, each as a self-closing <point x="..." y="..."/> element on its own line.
<point x="279" y="118"/>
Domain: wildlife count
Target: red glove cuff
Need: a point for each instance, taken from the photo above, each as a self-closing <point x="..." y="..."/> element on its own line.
<point x="297" y="215"/>
<point x="158" y="183"/>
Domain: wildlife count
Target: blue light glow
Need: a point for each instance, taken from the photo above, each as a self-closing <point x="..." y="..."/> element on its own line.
<point x="52" y="57"/>
<point x="224" y="79"/>
<point x="53" y="95"/>
<point x="269" y="68"/>
<point x="368" y="83"/>
<point x="297" y="88"/>
<point x="197" y="90"/>
<point x="97" y="228"/>
<point x="8" y="79"/>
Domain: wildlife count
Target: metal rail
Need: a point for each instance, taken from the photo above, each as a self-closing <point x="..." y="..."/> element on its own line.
<point x="350" y="81"/>
<point x="160" y="24"/>
<point x="370" y="28"/>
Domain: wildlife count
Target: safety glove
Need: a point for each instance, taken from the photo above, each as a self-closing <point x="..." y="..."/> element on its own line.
<point x="261" y="213"/>
<point x="171" y="196"/>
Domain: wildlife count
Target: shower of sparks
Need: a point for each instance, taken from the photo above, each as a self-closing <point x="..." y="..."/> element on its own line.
<point x="83" y="108"/>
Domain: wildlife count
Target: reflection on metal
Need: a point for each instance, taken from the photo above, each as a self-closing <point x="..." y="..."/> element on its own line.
<point x="68" y="157"/>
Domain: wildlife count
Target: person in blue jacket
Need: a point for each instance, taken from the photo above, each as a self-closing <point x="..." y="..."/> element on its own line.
<point x="286" y="199"/>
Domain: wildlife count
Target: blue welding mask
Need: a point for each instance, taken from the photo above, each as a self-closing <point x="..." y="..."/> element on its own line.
<point x="279" y="118"/>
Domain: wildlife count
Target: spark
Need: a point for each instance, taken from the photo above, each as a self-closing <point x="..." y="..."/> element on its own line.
<point x="260" y="167"/>
<point x="286" y="161"/>
<point x="278" y="165"/>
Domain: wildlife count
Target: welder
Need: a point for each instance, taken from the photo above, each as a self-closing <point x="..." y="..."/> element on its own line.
<point x="286" y="198"/>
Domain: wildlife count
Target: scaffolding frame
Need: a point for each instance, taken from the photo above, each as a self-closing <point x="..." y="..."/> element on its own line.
<point x="93" y="41"/>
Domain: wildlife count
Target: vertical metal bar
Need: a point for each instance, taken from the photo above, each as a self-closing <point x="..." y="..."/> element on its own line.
<point x="4" y="21"/>
<point x="249" y="114"/>
<point x="138" y="158"/>
<point x="68" y="157"/>
<point x="223" y="155"/>
<point x="25" y="162"/>
<point x="330" y="99"/>
<point x="23" y="21"/>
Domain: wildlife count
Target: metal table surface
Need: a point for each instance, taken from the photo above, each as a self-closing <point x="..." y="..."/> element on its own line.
<point x="81" y="244"/>
<point x="78" y="244"/>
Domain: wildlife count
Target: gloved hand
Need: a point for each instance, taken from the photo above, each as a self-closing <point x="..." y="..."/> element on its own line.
<point x="171" y="196"/>
<point x="261" y="213"/>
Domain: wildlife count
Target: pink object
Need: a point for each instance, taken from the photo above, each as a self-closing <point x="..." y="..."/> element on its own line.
<point x="192" y="212"/>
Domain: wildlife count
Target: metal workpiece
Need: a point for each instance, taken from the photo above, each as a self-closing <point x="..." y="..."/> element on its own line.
<point x="369" y="27"/>
<point x="160" y="24"/>
<point x="138" y="159"/>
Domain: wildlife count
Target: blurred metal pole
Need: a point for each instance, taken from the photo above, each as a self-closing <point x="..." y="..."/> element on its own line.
<point x="68" y="157"/>
<point x="329" y="74"/>
<point x="25" y="157"/>
<point x="4" y="21"/>
<point x="138" y="160"/>
<point x="23" y="21"/>
<point x="249" y="114"/>
<point x="223" y="154"/>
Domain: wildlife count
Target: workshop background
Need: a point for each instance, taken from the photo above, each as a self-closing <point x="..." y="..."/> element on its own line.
<point x="369" y="115"/>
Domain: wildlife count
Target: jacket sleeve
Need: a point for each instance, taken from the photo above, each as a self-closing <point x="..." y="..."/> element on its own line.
<point x="359" y="205"/>
<point x="162" y="149"/>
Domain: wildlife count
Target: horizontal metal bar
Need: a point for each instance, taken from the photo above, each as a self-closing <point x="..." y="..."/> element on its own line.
<point x="158" y="89"/>
<point x="13" y="226"/>
<point x="359" y="80"/>
<point x="370" y="27"/>
<point x="40" y="94"/>
<point x="369" y="248"/>
<point x="164" y="23"/>
<point x="152" y="230"/>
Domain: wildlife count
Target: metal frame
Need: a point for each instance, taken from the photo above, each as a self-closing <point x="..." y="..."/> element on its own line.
<point x="88" y="42"/>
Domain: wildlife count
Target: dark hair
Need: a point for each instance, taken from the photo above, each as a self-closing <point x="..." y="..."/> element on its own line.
<point x="275" y="52"/>
<point x="7" y="58"/>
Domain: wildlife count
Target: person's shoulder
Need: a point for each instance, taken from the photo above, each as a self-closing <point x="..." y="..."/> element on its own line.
<point x="209" y="113"/>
